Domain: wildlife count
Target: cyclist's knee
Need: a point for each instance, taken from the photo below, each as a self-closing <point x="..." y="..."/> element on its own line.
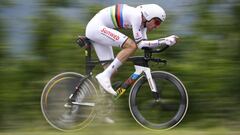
<point x="130" y="44"/>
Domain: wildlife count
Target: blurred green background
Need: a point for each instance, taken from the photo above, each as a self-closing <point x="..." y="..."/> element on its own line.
<point x="37" y="41"/>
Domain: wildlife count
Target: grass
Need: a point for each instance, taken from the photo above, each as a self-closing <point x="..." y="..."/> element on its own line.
<point x="98" y="128"/>
<point x="110" y="131"/>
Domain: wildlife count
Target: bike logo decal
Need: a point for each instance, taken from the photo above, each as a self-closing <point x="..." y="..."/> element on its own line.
<point x="109" y="34"/>
<point x="134" y="76"/>
<point x="130" y="81"/>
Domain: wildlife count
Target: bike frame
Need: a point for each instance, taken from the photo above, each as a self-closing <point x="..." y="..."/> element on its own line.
<point x="131" y="80"/>
<point x="140" y="64"/>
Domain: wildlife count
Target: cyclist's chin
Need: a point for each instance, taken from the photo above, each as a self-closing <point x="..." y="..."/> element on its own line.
<point x="149" y="29"/>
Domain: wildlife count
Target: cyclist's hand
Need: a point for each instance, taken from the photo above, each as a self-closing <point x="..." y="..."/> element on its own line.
<point x="171" y="40"/>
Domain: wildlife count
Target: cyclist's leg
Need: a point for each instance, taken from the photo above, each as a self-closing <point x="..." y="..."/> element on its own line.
<point x="103" y="52"/>
<point x="109" y="37"/>
<point x="104" y="38"/>
<point x="129" y="47"/>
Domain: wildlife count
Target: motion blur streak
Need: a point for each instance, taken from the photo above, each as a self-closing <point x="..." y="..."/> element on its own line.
<point x="37" y="42"/>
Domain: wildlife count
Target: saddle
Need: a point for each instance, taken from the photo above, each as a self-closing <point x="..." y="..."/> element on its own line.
<point x="83" y="42"/>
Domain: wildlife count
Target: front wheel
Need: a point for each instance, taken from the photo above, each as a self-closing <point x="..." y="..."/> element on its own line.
<point x="162" y="113"/>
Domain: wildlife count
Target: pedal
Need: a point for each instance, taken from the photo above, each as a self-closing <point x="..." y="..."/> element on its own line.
<point x="67" y="105"/>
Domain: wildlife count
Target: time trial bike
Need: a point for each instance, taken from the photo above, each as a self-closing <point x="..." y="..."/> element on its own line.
<point x="157" y="99"/>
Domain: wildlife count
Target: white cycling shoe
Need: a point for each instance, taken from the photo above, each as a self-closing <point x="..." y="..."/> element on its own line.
<point x="106" y="84"/>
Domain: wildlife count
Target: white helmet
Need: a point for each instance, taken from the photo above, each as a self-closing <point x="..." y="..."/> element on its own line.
<point x="151" y="11"/>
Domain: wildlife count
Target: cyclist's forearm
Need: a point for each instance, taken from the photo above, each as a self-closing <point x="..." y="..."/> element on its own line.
<point x="150" y="43"/>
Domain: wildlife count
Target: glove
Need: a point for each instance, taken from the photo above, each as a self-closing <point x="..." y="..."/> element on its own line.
<point x="171" y="40"/>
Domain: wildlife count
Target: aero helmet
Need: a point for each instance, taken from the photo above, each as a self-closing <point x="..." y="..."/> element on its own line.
<point x="151" y="11"/>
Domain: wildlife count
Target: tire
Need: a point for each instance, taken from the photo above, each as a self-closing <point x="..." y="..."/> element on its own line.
<point x="55" y="96"/>
<point x="165" y="113"/>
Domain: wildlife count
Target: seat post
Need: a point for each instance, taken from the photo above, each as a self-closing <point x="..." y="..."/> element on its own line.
<point x="88" y="59"/>
<point x="85" y="43"/>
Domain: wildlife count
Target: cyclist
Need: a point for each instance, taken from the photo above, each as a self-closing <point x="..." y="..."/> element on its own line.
<point x="101" y="30"/>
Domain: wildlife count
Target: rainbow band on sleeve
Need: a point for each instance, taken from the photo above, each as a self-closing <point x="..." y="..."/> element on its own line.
<point x="117" y="16"/>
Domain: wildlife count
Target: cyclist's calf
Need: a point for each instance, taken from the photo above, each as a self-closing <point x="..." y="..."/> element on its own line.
<point x="129" y="47"/>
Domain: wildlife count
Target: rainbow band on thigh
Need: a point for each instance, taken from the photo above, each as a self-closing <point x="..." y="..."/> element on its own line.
<point x="117" y="15"/>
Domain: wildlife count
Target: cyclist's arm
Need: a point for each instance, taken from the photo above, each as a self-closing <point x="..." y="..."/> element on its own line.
<point x="150" y="43"/>
<point x="140" y="36"/>
<point x="144" y="33"/>
<point x="147" y="43"/>
<point x="170" y="41"/>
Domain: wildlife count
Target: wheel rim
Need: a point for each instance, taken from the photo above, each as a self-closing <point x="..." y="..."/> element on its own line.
<point x="66" y="118"/>
<point x="158" y="118"/>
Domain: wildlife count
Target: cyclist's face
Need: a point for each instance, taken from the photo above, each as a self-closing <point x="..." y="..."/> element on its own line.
<point x="153" y="24"/>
